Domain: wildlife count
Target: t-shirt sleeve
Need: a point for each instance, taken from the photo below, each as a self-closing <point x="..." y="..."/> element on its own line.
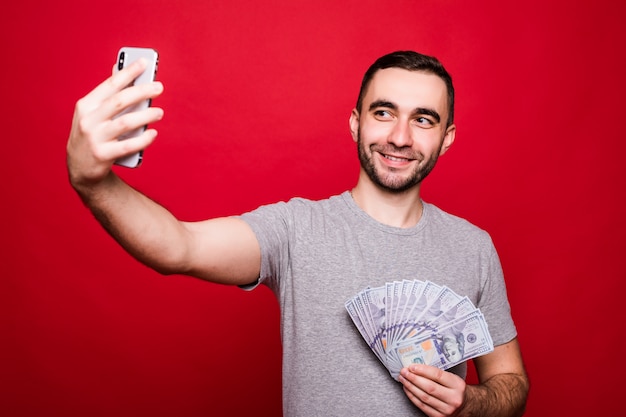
<point x="271" y="226"/>
<point x="493" y="301"/>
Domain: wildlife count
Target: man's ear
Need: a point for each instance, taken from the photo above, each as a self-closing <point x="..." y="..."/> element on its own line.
<point x="448" y="139"/>
<point x="354" y="124"/>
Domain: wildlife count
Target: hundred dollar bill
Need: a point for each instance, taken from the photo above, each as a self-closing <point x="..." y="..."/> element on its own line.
<point x="457" y="342"/>
<point x="373" y="300"/>
<point x="396" y="301"/>
<point x="461" y="309"/>
<point x="449" y="308"/>
<point x="446" y="299"/>
<point x="413" y="292"/>
<point x="427" y="298"/>
<point x="428" y="293"/>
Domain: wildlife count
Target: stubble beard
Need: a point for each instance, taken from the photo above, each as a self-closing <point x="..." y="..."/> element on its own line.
<point x="391" y="181"/>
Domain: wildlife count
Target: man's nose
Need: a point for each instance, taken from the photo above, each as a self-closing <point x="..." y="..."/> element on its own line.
<point x="400" y="135"/>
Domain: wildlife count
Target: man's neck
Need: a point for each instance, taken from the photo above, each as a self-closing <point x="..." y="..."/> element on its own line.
<point x="391" y="208"/>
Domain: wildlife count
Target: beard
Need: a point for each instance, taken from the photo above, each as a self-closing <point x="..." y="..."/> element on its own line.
<point x="391" y="180"/>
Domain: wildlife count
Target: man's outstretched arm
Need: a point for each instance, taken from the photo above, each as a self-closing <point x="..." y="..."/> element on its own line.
<point x="221" y="250"/>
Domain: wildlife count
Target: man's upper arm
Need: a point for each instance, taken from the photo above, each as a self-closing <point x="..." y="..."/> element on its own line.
<point x="223" y="250"/>
<point x="505" y="359"/>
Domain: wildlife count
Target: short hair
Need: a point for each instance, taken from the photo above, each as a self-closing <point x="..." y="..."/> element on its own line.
<point x="411" y="61"/>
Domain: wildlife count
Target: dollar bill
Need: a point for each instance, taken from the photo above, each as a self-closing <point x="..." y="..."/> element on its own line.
<point x="461" y="340"/>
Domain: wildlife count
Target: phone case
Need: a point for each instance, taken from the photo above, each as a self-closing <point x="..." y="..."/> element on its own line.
<point x="126" y="56"/>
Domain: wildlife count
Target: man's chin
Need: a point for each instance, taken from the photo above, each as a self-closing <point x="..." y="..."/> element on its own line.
<point x="396" y="185"/>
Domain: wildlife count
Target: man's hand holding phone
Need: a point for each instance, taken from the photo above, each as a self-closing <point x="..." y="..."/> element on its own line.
<point x="98" y="123"/>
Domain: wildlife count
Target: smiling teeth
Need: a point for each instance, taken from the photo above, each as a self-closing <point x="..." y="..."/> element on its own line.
<point x="393" y="158"/>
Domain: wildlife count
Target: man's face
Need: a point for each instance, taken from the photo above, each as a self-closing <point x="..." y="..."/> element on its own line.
<point x="400" y="130"/>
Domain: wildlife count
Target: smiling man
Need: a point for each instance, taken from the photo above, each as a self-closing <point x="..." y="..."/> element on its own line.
<point x="314" y="255"/>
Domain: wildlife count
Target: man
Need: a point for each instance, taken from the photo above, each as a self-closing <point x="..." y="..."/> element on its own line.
<point x="316" y="255"/>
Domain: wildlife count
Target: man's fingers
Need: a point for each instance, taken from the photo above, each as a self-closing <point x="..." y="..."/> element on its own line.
<point x="125" y="98"/>
<point x="115" y="83"/>
<point x="131" y="121"/>
<point x="434" y="374"/>
<point x="432" y="388"/>
<point x="115" y="150"/>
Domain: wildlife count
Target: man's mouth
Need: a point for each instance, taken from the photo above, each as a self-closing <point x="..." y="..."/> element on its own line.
<point x="396" y="158"/>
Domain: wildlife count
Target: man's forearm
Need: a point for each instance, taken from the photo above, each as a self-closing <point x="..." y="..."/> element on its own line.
<point x="502" y="395"/>
<point x="142" y="227"/>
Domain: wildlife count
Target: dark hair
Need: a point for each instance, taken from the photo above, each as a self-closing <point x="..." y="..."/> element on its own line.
<point x="411" y="61"/>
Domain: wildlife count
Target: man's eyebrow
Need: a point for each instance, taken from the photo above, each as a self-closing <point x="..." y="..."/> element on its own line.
<point x="382" y="103"/>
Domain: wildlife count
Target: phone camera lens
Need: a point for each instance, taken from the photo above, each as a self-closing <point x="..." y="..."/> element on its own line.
<point x="120" y="63"/>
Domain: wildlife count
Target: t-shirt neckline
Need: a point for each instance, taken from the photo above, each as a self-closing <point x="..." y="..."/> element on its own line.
<point x="353" y="207"/>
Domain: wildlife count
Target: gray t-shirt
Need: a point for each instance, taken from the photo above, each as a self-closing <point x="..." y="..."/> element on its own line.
<point x="315" y="255"/>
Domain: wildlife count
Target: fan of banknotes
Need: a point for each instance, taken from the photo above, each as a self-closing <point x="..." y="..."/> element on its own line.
<point x="406" y="322"/>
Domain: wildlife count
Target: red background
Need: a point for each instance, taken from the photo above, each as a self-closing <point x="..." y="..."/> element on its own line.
<point x="257" y="101"/>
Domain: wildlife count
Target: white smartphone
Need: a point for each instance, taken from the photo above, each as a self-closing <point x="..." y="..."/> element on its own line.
<point x="126" y="56"/>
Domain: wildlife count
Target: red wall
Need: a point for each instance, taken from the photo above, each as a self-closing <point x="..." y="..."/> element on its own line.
<point x="257" y="101"/>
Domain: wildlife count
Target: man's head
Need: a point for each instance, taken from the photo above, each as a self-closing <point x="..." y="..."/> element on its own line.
<point x="410" y="61"/>
<point x="403" y="121"/>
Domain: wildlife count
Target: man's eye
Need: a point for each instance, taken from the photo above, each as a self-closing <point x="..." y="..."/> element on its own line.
<point x="382" y="114"/>
<point x="424" y="121"/>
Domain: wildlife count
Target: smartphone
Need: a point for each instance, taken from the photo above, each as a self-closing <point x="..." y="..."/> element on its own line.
<point x="126" y="56"/>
